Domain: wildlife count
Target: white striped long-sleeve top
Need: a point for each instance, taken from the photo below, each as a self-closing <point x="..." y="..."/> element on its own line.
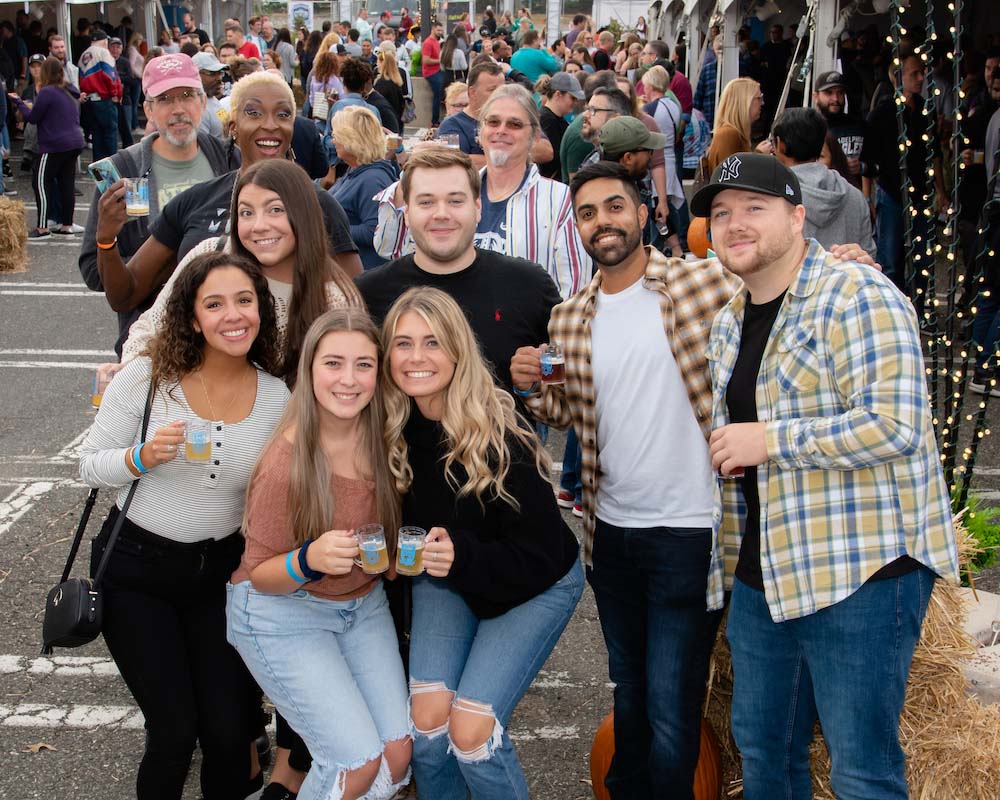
<point x="180" y="500"/>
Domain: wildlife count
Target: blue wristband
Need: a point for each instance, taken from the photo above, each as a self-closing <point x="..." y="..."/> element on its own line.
<point x="291" y="569"/>
<point x="135" y="458"/>
<point x="526" y="392"/>
<point x="304" y="568"/>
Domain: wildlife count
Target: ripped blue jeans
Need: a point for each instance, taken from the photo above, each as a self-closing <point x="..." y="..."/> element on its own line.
<point x="332" y="668"/>
<point x="488" y="664"/>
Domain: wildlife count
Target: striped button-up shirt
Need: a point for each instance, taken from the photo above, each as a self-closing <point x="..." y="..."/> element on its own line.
<point x="853" y="478"/>
<point x="540" y="227"/>
<point x="691" y="293"/>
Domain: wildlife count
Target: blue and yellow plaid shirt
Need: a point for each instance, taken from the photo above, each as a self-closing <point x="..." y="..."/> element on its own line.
<point x="853" y="478"/>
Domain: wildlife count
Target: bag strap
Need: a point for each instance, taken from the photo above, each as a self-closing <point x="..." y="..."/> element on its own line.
<point x="89" y="506"/>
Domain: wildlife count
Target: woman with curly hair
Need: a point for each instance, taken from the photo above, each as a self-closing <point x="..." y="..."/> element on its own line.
<point x="300" y="605"/>
<point x="212" y="365"/>
<point x="323" y="82"/>
<point x="502" y="574"/>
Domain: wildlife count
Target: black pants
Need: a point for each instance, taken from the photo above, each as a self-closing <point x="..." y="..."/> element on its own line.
<point x="165" y="625"/>
<point x="52" y="181"/>
<point x="124" y="128"/>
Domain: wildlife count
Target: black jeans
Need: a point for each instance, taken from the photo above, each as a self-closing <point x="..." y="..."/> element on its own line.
<point x="52" y="181"/>
<point x="650" y="587"/>
<point x="165" y="625"/>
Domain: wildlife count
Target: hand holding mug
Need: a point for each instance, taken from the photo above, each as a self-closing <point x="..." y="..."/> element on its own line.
<point x="333" y="553"/>
<point x="439" y="553"/>
<point x="526" y="366"/>
<point x="164" y="445"/>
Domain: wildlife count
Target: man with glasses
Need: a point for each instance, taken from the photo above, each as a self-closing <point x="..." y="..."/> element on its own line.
<point x="174" y="158"/>
<point x="603" y="106"/>
<point x="523" y="214"/>
<point x="484" y="77"/>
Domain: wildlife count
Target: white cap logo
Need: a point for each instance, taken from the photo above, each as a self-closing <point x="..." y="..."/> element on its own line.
<point x="730" y="169"/>
<point x="171" y="64"/>
<point x="789" y="190"/>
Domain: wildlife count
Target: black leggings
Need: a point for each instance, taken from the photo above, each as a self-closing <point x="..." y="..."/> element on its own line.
<point x="52" y="180"/>
<point x="165" y="625"/>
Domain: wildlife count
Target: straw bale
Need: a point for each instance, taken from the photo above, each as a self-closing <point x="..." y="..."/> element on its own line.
<point x="951" y="740"/>
<point x="13" y="236"/>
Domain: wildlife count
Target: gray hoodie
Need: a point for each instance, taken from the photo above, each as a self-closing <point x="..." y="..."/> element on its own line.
<point x="836" y="212"/>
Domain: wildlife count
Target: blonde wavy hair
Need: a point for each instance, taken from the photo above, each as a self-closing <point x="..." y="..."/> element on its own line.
<point x="480" y="420"/>
<point x="310" y="502"/>
<point x="734" y="105"/>
<point x="358" y="130"/>
<point x="386" y="63"/>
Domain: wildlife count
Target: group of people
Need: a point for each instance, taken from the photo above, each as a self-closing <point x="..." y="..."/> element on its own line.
<point x="364" y="335"/>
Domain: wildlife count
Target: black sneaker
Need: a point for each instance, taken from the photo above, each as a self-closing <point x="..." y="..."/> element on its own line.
<point x="275" y="791"/>
<point x="34" y="233"/>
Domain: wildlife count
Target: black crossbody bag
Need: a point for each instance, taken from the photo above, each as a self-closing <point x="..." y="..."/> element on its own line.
<point x="73" y="608"/>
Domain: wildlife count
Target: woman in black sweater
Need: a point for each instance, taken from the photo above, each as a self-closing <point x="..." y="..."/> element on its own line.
<point x="502" y="575"/>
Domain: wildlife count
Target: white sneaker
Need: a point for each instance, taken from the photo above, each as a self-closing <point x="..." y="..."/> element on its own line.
<point x="76" y="228"/>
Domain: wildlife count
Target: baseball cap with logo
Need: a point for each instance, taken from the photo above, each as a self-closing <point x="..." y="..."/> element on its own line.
<point x="829" y="80"/>
<point x="172" y="71"/>
<point x="98" y="35"/>
<point x="564" y="82"/>
<point x="114" y="40"/>
<point x="207" y="62"/>
<point x="751" y="172"/>
<point x="627" y="134"/>
<point x="36" y="58"/>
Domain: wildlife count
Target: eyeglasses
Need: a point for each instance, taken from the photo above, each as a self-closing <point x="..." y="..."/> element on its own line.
<point x="187" y="96"/>
<point x="514" y="123"/>
<point x="591" y="110"/>
<point x="459" y="105"/>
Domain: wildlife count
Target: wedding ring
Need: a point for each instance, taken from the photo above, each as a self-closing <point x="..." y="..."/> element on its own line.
<point x="434" y="556"/>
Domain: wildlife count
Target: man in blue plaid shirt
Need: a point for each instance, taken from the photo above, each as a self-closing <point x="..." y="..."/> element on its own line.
<point x="835" y="518"/>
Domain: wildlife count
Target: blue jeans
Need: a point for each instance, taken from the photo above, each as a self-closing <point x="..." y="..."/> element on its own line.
<point x="102" y="117"/>
<point x="489" y="661"/>
<point x="847" y="664"/>
<point x="650" y="585"/>
<point x="680" y="219"/>
<point x="986" y="328"/>
<point x="436" y="82"/>
<point x="332" y="669"/>
<point x="889" y="235"/>
<point x="572" y="471"/>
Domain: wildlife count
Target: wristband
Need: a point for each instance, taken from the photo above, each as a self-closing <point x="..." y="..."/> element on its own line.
<point x="527" y="392"/>
<point x="291" y="570"/>
<point x="136" y="460"/>
<point x="109" y="246"/>
<point x="304" y="568"/>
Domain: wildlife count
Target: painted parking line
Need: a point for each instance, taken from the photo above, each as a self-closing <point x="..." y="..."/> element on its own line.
<point x="21" y="351"/>
<point x="59" y="666"/>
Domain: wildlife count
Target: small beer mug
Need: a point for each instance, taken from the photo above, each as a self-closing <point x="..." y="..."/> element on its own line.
<point x="137" y="197"/>
<point x="553" y="365"/>
<point x="102" y="377"/>
<point x="198" y="440"/>
<point x="374" y="558"/>
<point x="449" y="140"/>
<point x="410" y="551"/>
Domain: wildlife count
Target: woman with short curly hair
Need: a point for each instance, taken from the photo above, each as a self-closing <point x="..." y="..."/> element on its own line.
<point x="215" y="403"/>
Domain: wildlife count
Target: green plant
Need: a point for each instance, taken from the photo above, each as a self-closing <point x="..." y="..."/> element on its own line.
<point x="983" y="523"/>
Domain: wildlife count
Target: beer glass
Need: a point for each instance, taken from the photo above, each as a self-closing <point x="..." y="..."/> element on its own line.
<point x="198" y="440"/>
<point x="553" y="365"/>
<point x="374" y="558"/>
<point x="410" y="551"/>
<point x="137" y="197"/>
<point x="102" y="377"/>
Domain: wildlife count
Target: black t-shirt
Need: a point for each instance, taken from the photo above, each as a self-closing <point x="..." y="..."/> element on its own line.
<point x="880" y="153"/>
<point x="553" y="126"/>
<point x="202" y="212"/>
<point x="506" y="300"/>
<point x="741" y="403"/>
<point x="503" y="557"/>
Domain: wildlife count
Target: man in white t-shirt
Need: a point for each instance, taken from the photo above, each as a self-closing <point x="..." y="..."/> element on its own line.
<point x="638" y="394"/>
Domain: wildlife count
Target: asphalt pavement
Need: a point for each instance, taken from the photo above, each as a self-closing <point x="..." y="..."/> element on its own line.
<point x="68" y="726"/>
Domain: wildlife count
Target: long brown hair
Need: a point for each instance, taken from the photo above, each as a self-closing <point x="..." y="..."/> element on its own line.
<point x="314" y="266"/>
<point x="310" y="502"/>
<point x="177" y="348"/>
<point x="52" y="73"/>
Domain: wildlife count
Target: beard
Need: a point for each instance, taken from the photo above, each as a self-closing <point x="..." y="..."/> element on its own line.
<point x="180" y="141"/>
<point x="613" y="253"/>
<point x="766" y="252"/>
<point x="497" y="158"/>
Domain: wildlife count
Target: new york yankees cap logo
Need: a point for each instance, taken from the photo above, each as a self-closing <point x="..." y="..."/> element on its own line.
<point x="751" y="172"/>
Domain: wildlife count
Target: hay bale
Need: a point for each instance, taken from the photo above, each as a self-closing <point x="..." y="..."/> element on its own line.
<point x="951" y="740"/>
<point x="13" y="236"/>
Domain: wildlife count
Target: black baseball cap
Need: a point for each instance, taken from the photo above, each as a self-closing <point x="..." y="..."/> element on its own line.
<point x="98" y="35"/>
<point x="36" y="58"/>
<point x="829" y="80"/>
<point x="751" y="172"/>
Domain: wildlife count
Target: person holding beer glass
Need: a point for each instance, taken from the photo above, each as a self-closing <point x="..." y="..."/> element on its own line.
<point x="165" y="584"/>
<point x="302" y="603"/>
<point x="502" y="575"/>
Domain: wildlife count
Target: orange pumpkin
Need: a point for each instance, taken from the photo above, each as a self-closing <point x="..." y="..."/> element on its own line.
<point x="697" y="237"/>
<point x="707" y="775"/>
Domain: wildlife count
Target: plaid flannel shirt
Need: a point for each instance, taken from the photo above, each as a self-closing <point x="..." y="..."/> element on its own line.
<point x="853" y="478"/>
<point x="691" y="295"/>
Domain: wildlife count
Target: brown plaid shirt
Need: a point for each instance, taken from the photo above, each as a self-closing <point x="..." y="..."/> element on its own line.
<point x="691" y="293"/>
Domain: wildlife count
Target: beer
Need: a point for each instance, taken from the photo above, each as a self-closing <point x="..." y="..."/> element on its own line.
<point x="374" y="554"/>
<point x="410" y="551"/>
<point x="137" y="197"/>
<point x="102" y="377"/>
<point x="553" y="365"/>
<point x="198" y="441"/>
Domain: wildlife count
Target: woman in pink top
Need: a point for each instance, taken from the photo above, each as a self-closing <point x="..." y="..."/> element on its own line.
<point x="311" y="625"/>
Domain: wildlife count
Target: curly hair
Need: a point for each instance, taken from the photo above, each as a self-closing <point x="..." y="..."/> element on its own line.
<point x="178" y="348"/>
<point x="480" y="420"/>
<point x="355" y="73"/>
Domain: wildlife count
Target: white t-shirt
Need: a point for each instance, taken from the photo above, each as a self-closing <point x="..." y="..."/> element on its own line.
<point x="653" y="458"/>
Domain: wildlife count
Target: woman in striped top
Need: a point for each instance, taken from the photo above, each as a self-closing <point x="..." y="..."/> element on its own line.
<point x="164" y="588"/>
